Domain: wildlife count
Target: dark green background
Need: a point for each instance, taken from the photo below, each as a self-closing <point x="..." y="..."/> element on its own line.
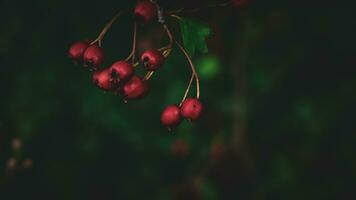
<point x="278" y="85"/>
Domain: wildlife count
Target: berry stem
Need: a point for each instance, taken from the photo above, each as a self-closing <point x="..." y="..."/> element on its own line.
<point x="133" y="51"/>
<point x="195" y="74"/>
<point x="169" y="33"/>
<point x="105" y="29"/>
<point x="167" y="49"/>
<point x="148" y="75"/>
<point x="187" y="90"/>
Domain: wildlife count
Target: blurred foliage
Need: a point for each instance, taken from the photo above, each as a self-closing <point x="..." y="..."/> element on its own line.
<point x="194" y="34"/>
<point x="278" y="87"/>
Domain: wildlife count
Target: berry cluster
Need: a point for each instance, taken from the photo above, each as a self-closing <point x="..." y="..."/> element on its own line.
<point x="120" y="76"/>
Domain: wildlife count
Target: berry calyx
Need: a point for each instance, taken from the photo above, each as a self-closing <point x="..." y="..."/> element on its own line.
<point x="191" y="109"/>
<point x="135" y="88"/>
<point x="152" y="59"/>
<point x="93" y="57"/>
<point x="122" y="71"/>
<point x="145" y="11"/>
<point x="105" y="80"/>
<point x="170" y="116"/>
<point x="76" y="51"/>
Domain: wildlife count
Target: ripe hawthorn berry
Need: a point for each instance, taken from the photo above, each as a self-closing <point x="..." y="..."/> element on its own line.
<point x="122" y="71"/>
<point x="76" y="51"/>
<point x="135" y="88"/>
<point x="170" y="116"/>
<point x="152" y="59"/>
<point x="93" y="57"/>
<point x="191" y="109"/>
<point x="104" y="80"/>
<point x="145" y="11"/>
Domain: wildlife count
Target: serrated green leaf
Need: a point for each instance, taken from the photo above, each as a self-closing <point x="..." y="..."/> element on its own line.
<point x="194" y="34"/>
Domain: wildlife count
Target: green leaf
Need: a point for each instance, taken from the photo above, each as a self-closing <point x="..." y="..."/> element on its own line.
<point x="194" y="34"/>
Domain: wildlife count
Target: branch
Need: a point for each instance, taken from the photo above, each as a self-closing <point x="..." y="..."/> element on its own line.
<point x="133" y="51"/>
<point x="195" y="74"/>
<point x="199" y="9"/>
<point x="105" y="29"/>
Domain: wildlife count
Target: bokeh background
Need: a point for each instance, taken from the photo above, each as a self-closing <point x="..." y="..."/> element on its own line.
<point x="278" y="85"/>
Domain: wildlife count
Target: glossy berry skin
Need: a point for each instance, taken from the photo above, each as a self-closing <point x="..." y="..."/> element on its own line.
<point x="191" y="109"/>
<point x="135" y="88"/>
<point x="170" y="116"/>
<point x="145" y="11"/>
<point x="122" y="71"/>
<point x="104" y="80"/>
<point x="76" y="51"/>
<point x="152" y="60"/>
<point x="93" y="57"/>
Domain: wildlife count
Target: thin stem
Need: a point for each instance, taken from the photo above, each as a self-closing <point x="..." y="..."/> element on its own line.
<point x="187" y="90"/>
<point x="194" y="72"/>
<point x="134" y="43"/>
<point x="105" y="29"/>
<point x="133" y="51"/>
<point x="167" y="49"/>
<point x="198" y="9"/>
<point x="192" y="67"/>
<point x="148" y="75"/>
<point x="169" y="33"/>
<point x="166" y="52"/>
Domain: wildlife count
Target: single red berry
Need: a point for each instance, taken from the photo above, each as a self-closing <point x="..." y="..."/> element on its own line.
<point x="191" y="109"/>
<point x="76" y="51"/>
<point x="170" y="116"/>
<point x="145" y="11"/>
<point x="152" y="59"/>
<point x="135" y="88"/>
<point x="105" y="80"/>
<point x="180" y="148"/>
<point x="93" y="57"/>
<point x="122" y="71"/>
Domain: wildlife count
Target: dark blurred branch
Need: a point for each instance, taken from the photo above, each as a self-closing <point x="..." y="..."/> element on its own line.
<point x="238" y="61"/>
<point x="199" y="9"/>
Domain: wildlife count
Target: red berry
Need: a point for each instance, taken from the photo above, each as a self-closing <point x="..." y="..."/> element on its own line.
<point x="145" y="11"/>
<point x="105" y="80"/>
<point x="135" y="88"/>
<point x="76" y="51"/>
<point x="170" y="116"/>
<point x="152" y="59"/>
<point x="191" y="109"/>
<point x="122" y="70"/>
<point x="93" y="57"/>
